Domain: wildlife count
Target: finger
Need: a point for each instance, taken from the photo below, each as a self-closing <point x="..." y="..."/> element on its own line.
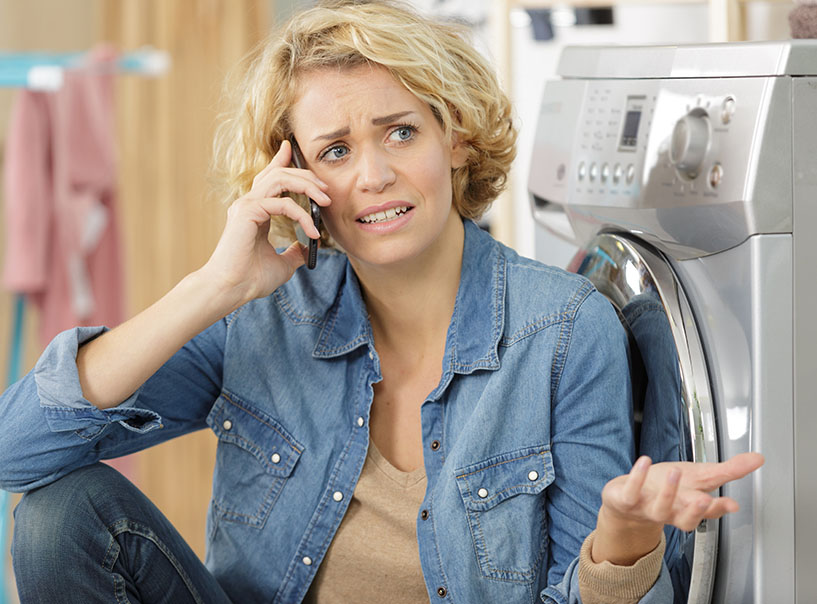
<point x="291" y="180"/>
<point x="719" y="506"/>
<point x="259" y="211"/>
<point x="294" y="255"/>
<point x="284" y="206"/>
<point x="665" y="501"/>
<point x="635" y="481"/>
<point x="690" y="515"/>
<point x="281" y="159"/>
<point x="711" y="476"/>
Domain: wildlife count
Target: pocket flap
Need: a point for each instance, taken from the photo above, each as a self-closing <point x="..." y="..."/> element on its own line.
<point x="490" y="482"/>
<point x="237" y="422"/>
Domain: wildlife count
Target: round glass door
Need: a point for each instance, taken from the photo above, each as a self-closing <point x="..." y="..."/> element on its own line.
<point x="672" y="403"/>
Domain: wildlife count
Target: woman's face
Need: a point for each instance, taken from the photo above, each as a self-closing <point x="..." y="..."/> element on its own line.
<point x="387" y="163"/>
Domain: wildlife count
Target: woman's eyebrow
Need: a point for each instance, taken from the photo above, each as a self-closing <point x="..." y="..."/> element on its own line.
<point x="386" y="119"/>
<point x="333" y="135"/>
<point x="377" y="121"/>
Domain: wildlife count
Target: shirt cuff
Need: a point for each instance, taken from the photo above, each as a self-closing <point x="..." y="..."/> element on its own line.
<point x="608" y="583"/>
<point x="60" y="393"/>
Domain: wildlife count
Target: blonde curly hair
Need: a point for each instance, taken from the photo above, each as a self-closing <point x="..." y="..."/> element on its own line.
<point x="432" y="60"/>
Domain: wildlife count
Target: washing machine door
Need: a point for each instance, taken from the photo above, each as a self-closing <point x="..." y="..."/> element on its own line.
<point x="673" y="407"/>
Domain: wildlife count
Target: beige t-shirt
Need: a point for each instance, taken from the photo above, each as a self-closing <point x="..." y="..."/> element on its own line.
<point x="374" y="556"/>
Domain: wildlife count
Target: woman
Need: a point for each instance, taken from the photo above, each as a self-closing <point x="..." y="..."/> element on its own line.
<point x="425" y="415"/>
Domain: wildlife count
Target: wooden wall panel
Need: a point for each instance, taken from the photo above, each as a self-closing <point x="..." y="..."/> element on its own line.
<point x="170" y="222"/>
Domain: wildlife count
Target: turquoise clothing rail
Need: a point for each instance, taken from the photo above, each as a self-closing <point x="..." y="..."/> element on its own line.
<point x="45" y="71"/>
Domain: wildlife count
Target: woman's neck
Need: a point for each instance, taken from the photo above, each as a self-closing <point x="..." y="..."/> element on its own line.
<point x="410" y="305"/>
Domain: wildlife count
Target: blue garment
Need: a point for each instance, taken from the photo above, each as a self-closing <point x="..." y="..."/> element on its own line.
<point x="531" y="417"/>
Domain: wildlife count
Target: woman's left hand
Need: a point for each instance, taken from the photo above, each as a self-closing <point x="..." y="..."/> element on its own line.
<point x="636" y="506"/>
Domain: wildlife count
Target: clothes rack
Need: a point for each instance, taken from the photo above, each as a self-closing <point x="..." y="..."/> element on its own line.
<point x="45" y="71"/>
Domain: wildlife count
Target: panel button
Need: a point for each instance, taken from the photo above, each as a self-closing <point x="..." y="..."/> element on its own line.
<point x="618" y="172"/>
<point x="715" y="176"/>
<point x="582" y="171"/>
<point x="728" y="109"/>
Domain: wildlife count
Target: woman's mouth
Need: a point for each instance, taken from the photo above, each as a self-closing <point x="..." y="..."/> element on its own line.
<point x="385" y="215"/>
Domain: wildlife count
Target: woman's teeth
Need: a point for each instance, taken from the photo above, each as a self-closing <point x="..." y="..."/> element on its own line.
<point x="389" y="214"/>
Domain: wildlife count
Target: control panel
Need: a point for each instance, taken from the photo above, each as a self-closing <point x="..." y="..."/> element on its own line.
<point x="611" y="142"/>
<point x="650" y="143"/>
<point x="606" y="151"/>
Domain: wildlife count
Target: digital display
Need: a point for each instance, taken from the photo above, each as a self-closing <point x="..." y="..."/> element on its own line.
<point x="632" y="120"/>
<point x="630" y="132"/>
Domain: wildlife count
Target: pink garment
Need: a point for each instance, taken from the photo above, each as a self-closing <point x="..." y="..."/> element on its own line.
<point x="62" y="239"/>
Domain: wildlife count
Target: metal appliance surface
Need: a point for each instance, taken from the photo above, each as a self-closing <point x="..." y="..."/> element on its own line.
<point x="688" y="174"/>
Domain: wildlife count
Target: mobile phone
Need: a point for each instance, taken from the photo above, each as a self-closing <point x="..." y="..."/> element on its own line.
<point x="315" y="209"/>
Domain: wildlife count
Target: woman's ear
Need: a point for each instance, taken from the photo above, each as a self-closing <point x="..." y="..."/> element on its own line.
<point x="459" y="152"/>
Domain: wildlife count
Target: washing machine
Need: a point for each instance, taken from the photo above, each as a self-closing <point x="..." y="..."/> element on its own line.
<point x="687" y="176"/>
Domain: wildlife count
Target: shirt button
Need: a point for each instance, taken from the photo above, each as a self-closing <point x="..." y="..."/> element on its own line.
<point x="227" y="424"/>
<point x="483" y="493"/>
<point x="337" y="496"/>
<point x="275" y="458"/>
<point x="424" y="514"/>
<point x="360" y="422"/>
<point x="435" y="444"/>
<point x="307" y="560"/>
<point x="533" y="475"/>
<point x="442" y="592"/>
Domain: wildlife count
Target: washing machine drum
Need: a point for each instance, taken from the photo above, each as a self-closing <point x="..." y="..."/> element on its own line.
<point x="672" y="403"/>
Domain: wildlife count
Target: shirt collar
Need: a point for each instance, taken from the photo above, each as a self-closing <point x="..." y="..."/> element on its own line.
<point x="346" y="326"/>
<point x="476" y="324"/>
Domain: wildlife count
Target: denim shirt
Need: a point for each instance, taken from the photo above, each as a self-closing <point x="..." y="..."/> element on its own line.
<point x="531" y="417"/>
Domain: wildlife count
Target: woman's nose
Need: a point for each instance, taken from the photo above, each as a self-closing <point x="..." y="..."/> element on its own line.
<point x="375" y="171"/>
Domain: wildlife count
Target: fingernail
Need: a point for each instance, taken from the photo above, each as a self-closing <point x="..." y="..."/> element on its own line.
<point x="674" y="476"/>
<point x="702" y="505"/>
<point x="642" y="464"/>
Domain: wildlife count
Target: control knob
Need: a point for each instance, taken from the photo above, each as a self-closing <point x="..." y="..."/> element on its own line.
<point x="689" y="143"/>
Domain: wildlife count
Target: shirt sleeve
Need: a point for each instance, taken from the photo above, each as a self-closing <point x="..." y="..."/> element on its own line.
<point x="48" y="428"/>
<point x="592" y="439"/>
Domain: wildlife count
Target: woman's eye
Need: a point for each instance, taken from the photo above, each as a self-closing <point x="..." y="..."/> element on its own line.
<point x="403" y="133"/>
<point x="335" y="153"/>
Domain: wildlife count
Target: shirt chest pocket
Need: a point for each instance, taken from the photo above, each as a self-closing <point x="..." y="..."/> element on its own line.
<point x="505" y="504"/>
<point x="254" y="459"/>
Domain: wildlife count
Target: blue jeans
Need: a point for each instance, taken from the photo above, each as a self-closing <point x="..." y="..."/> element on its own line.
<point x="92" y="536"/>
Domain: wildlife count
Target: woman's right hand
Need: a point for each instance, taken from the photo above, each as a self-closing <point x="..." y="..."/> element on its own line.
<point x="244" y="264"/>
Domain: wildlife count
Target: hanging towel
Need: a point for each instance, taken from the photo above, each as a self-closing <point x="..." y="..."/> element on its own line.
<point x="62" y="240"/>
